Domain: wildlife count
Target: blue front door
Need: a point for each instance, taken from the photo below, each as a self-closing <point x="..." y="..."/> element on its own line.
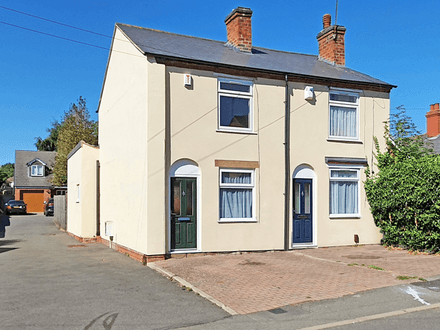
<point x="302" y="213"/>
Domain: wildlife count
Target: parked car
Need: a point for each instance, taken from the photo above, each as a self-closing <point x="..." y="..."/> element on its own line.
<point x="14" y="206"/>
<point x="48" y="207"/>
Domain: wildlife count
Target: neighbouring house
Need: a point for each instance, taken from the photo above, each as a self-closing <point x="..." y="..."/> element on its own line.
<point x="216" y="146"/>
<point x="33" y="178"/>
<point x="433" y="127"/>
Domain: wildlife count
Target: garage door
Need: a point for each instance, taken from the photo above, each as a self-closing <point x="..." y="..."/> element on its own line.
<point x="34" y="200"/>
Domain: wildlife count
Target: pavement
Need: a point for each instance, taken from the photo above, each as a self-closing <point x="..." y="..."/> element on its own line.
<point x="253" y="282"/>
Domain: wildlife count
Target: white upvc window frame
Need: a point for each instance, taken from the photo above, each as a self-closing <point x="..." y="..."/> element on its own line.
<point x="357" y="179"/>
<point x="247" y="186"/>
<point x="344" y="104"/>
<point x="236" y="94"/>
<point x="35" y="170"/>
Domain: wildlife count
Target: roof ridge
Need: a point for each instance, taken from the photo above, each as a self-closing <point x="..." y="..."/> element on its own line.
<point x="166" y="32"/>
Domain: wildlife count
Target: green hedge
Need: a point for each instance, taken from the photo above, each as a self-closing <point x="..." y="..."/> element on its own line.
<point x="404" y="196"/>
<point x="405" y="201"/>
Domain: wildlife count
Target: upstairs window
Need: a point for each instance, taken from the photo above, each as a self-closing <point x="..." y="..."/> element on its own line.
<point x="235" y="105"/>
<point x="344" y="115"/>
<point x="37" y="170"/>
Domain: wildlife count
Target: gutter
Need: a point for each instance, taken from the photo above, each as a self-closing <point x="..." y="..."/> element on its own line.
<point x="286" y="166"/>
<point x="162" y="58"/>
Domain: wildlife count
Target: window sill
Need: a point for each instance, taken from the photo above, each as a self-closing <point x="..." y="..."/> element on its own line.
<point x="237" y="220"/>
<point x="345" y="216"/>
<point x="333" y="139"/>
<point x="233" y="131"/>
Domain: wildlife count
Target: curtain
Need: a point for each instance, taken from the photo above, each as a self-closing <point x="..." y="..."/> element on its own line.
<point x="236" y="202"/>
<point x="343" y="197"/>
<point x="343" y="121"/>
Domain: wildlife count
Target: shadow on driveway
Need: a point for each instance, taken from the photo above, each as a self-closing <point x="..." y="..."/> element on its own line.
<point x="4" y="222"/>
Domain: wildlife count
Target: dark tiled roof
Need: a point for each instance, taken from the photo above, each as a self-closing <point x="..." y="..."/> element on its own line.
<point x="188" y="48"/>
<point x="22" y="178"/>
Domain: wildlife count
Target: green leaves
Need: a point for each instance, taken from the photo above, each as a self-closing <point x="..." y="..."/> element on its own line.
<point x="6" y="171"/>
<point x="76" y="126"/>
<point x="51" y="142"/>
<point x="404" y="196"/>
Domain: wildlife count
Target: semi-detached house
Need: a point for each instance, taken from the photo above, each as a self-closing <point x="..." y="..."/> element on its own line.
<point x="215" y="146"/>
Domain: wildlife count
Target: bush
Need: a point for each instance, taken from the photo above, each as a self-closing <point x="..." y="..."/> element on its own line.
<point x="404" y="196"/>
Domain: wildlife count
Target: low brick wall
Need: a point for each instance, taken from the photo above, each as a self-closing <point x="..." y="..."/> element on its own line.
<point x="120" y="248"/>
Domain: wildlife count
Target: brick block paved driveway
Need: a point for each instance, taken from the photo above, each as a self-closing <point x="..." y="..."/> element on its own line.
<point x="253" y="282"/>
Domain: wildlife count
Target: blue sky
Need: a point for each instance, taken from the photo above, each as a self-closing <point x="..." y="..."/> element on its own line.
<point x="41" y="75"/>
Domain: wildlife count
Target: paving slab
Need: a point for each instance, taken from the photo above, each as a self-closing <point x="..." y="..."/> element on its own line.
<point x="253" y="282"/>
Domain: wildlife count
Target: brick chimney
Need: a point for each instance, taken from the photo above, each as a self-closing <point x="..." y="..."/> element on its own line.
<point x="331" y="42"/>
<point x="239" y="29"/>
<point x="433" y="121"/>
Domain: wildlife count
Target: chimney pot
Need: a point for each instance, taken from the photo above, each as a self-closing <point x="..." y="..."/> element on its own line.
<point x="436" y="106"/>
<point x="326" y="21"/>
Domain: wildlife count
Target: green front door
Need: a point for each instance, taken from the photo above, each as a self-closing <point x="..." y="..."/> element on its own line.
<point x="183" y="213"/>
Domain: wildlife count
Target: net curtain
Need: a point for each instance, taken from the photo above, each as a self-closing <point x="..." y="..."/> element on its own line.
<point x="236" y="202"/>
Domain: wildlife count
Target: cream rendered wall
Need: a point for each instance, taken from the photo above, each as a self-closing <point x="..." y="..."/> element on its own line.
<point x="81" y="212"/>
<point x="310" y="145"/>
<point x="194" y="136"/>
<point x="74" y="173"/>
<point x="88" y="200"/>
<point x="156" y="226"/>
<point x="131" y="145"/>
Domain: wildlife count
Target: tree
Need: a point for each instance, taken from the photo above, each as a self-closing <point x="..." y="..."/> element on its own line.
<point x="51" y="142"/>
<point x="76" y="126"/>
<point x="6" y="171"/>
<point x="404" y="196"/>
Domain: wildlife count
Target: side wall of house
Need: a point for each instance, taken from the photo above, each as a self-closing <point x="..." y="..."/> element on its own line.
<point x="131" y="117"/>
<point x="88" y="190"/>
<point x="74" y="198"/>
<point x="81" y="200"/>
